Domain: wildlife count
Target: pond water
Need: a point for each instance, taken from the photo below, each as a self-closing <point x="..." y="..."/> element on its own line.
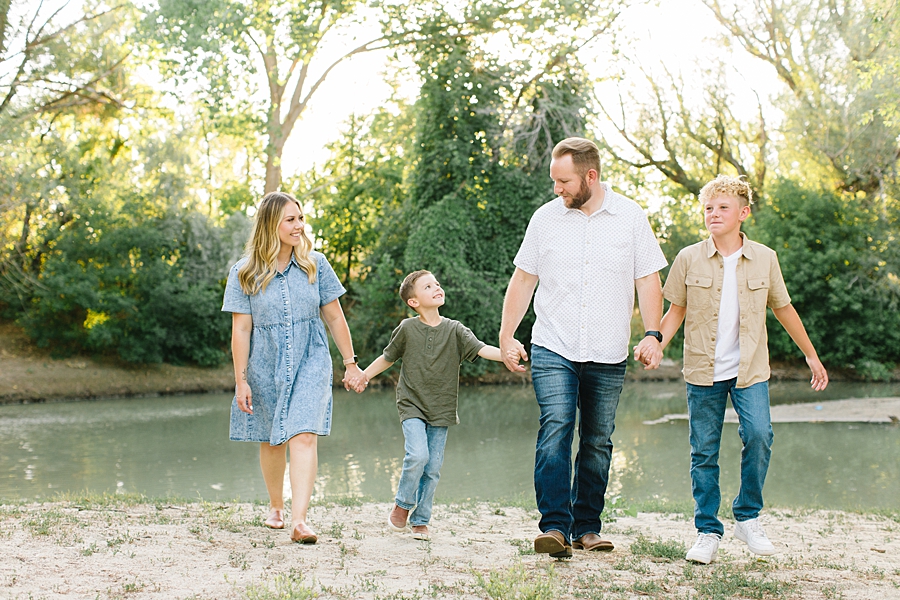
<point x="178" y="446"/>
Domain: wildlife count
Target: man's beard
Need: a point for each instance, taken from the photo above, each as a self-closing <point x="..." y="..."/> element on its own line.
<point x="581" y="198"/>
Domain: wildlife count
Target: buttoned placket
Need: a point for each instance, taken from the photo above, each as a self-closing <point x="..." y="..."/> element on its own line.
<point x="587" y="230"/>
<point x="288" y="343"/>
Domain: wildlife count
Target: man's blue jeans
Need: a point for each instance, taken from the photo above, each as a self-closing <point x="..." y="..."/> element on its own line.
<point x="573" y="506"/>
<point x="706" y="412"/>
<point x="424" y="446"/>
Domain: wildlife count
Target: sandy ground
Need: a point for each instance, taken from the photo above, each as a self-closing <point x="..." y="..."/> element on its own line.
<point x="111" y="548"/>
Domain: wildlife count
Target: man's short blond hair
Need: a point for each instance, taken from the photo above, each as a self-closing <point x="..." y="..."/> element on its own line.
<point x="585" y="154"/>
<point x="408" y="287"/>
<point x="725" y="185"/>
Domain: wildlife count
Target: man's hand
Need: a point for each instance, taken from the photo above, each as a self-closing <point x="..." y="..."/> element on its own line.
<point x="649" y="351"/>
<point x="512" y="351"/>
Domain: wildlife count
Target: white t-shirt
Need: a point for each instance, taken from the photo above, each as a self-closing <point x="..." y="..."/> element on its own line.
<point x="586" y="267"/>
<point x="728" y="346"/>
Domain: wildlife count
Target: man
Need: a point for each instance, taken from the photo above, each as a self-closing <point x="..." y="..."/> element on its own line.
<point x="589" y="248"/>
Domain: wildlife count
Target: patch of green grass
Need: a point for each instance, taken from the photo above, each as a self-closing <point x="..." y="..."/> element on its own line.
<point x="284" y="586"/>
<point x="520" y="584"/>
<point x="728" y="581"/>
<point x="46" y="522"/>
<point x="667" y="549"/>
<point x="526" y="547"/>
<point x="348" y="501"/>
<point x="337" y="530"/>
<point x="647" y="587"/>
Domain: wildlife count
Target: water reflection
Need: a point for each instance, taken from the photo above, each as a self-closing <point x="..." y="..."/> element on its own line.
<point x="179" y="446"/>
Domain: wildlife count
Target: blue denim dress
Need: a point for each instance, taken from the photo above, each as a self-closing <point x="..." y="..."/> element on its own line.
<point x="289" y="370"/>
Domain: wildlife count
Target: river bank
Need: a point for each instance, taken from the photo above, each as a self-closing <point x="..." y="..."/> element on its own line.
<point x="128" y="547"/>
<point x="29" y="374"/>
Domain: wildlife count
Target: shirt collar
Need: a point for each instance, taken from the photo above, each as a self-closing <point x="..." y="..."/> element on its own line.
<point x="746" y="249"/>
<point x="610" y="202"/>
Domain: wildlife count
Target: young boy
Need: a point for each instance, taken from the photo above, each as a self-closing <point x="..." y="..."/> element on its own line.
<point x="720" y="288"/>
<point x="432" y="349"/>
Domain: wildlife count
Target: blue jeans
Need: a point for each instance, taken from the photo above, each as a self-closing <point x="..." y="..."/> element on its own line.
<point x="706" y="413"/>
<point x="570" y="505"/>
<point x="424" y="445"/>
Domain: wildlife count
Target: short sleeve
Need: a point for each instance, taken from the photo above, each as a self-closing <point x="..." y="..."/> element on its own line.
<point x="528" y="256"/>
<point x="236" y="301"/>
<point x="330" y="288"/>
<point x="778" y="294"/>
<point x="469" y="345"/>
<point x="648" y="256"/>
<point x="674" y="290"/>
<point x="397" y="346"/>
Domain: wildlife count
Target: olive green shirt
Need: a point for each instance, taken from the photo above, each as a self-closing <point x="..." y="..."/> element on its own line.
<point x="428" y="388"/>
<point x="695" y="283"/>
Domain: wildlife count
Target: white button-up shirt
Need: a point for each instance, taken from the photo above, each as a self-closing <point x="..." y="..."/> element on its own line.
<point x="586" y="267"/>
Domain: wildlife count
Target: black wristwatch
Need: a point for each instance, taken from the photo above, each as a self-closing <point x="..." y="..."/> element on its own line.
<point x="655" y="334"/>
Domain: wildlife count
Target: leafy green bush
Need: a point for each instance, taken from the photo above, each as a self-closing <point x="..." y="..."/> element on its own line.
<point x="147" y="289"/>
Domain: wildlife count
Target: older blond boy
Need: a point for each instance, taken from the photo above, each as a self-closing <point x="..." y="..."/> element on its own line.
<point x="720" y="288"/>
<point x="432" y="348"/>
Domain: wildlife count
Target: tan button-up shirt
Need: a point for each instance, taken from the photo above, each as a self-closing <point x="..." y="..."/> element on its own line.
<point x="695" y="282"/>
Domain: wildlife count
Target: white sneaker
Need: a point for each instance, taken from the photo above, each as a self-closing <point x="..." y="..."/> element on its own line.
<point x="704" y="550"/>
<point x="751" y="532"/>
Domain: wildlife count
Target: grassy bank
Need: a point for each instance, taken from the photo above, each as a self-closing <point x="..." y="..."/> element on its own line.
<point x="98" y="546"/>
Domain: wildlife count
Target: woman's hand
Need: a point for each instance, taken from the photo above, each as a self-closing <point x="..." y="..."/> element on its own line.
<point x="244" y="397"/>
<point x="353" y="375"/>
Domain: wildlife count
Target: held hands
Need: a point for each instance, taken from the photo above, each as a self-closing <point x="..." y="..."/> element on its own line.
<point x="354" y="378"/>
<point x="244" y="397"/>
<point x="512" y="351"/>
<point x="819" y="376"/>
<point x="649" y="352"/>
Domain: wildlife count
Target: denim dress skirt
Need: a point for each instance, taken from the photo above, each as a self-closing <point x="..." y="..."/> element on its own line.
<point x="289" y="370"/>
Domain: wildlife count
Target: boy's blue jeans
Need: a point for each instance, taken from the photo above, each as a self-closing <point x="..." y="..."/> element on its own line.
<point x="706" y="413"/>
<point x="424" y="445"/>
<point x="573" y="506"/>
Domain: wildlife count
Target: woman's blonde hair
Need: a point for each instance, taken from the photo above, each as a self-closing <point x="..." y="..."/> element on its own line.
<point x="263" y="246"/>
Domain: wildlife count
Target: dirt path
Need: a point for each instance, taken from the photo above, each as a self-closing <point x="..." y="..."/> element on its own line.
<point x="122" y="548"/>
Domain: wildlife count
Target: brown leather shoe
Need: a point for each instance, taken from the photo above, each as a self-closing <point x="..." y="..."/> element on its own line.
<point x="275" y="520"/>
<point x="303" y="534"/>
<point x="592" y="541"/>
<point x="553" y="543"/>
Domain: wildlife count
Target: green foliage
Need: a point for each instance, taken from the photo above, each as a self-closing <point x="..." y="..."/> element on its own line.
<point x="147" y="290"/>
<point x="840" y="258"/>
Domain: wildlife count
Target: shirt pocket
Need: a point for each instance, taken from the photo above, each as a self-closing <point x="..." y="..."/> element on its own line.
<point x="759" y="292"/>
<point x="698" y="291"/>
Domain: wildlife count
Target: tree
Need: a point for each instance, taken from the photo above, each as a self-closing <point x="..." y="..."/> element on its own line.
<point x="47" y="66"/>
<point x="824" y="52"/>
<point x="840" y="260"/>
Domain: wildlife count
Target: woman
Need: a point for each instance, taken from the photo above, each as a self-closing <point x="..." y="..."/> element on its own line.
<point x="282" y="366"/>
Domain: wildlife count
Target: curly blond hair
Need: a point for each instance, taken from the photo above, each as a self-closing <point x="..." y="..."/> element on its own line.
<point x="725" y="185"/>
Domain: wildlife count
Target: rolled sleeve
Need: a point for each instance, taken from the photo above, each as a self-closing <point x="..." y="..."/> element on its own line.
<point x="330" y="288"/>
<point x="235" y="301"/>
<point x="675" y="291"/>
<point x="778" y="294"/>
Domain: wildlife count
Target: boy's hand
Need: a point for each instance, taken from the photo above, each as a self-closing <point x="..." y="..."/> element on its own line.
<point x="819" y="379"/>
<point x="359" y="386"/>
<point x="512" y="350"/>
<point x="649" y="352"/>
